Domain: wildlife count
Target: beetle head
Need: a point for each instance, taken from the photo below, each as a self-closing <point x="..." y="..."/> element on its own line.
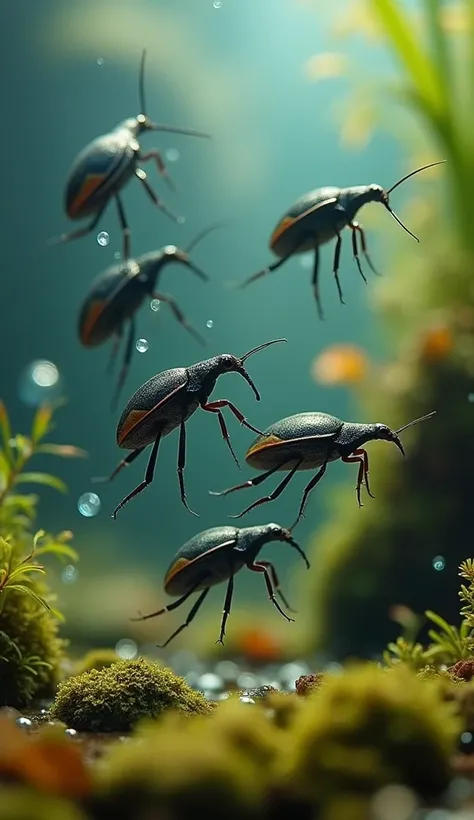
<point x="381" y="431"/>
<point x="377" y="193"/>
<point x="173" y="254"/>
<point x="279" y="533"/>
<point x="227" y="363"/>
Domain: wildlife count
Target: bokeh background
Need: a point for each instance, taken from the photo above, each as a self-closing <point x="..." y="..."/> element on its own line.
<point x="286" y="90"/>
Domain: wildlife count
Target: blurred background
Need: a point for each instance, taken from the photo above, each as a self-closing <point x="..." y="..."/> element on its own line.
<point x="293" y="95"/>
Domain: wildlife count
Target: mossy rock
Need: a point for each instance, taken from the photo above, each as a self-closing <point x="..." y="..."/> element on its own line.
<point x="28" y="635"/>
<point x="96" y="659"/>
<point x="113" y="699"/>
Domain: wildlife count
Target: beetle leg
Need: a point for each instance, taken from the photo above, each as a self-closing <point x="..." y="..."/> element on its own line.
<point x="366" y="473"/>
<point x="126" y="364"/>
<point x="188" y="620"/>
<point x="150" y="470"/>
<point x="164" y="297"/>
<point x="181" y="466"/>
<point x="141" y="175"/>
<point x="252" y="482"/>
<point x="125" y="462"/>
<point x="227" y="606"/>
<point x="335" y="267"/>
<point x="275" y="265"/>
<point x="224" y="430"/>
<point x="172" y="606"/>
<point x="274" y="495"/>
<point x="257" y="566"/>
<point x="315" y="283"/>
<point x="355" y="249"/>
<point x="276" y="583"/>
<point x="356" y="226"/>
<point x="307" y="491"/>
<point x="155" y="154"/>
<point x="124" y="226"/>
<point x="358" y="457"/>
<point x="213" y="405"/>
<point x="67" y="237"/>
<point x="114" y="351"/>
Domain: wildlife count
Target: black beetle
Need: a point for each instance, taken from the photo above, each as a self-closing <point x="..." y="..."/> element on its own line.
<point x="215" y="556"/>
<point x="167" y="401"/>
<point x="319" y="216"/>
<point x="306" y="441"/>
<point x="107" y="164"/>
<point x="118" y="292"/>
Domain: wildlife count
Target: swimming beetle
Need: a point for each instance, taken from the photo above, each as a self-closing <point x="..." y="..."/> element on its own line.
<point x="215" y="556"/>
<point x="106" y="165"/>
<point x="167" y="401"/>
<point x="117" y="294"/>
<point x="319" y="216"/>
<point x="310" y="440"/>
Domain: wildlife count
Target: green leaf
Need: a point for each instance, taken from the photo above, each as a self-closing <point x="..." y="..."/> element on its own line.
<point x="6" y="432"/>
<point x="23" y="569"/>
<point x="28" y="591"/>
<point x="63" y="450"/>
<point x="41" y="423"/>
<point x="450" y="632"/>
<point x="59" y="549"/>
<point x="5" y="470"/>
<point x="42" y="478"/>
<point x="23" y="446"/>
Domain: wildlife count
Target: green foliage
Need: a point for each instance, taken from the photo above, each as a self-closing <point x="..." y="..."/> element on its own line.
<point x="21" y="803"/>
<point x="30" y="649"/>
<point x="368" y="728"/>
<point x="116" y="697"/>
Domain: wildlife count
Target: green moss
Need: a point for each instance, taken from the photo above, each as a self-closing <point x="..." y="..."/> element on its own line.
<point x="368" y="728"/>
<point x="116" y="697"/>
<point x="22" y="803"/>
<point x="96" y="659"/>
<point x="30" y="651"/>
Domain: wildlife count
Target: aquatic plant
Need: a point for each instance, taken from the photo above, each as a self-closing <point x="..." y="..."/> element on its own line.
<point x="20" y="802"/>
<point x="372" y="559"/>
<point x="116" y="697"/>
<point x="368" y="728"/>
<point x="30" y="647"/>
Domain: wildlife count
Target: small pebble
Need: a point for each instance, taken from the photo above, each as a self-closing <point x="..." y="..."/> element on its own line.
<point x="259" y="693"/>
<point x="70" y="732"/>
<point x="10" y="713"/>
<point x="24" y="722"/>
<point x="246" y="700"/>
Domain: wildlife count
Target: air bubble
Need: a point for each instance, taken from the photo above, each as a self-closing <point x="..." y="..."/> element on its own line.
<point x="117" y="255"/>
<point x="100" y="61"/>
<point x="181" y="220"/>
<point x="142" y="345"/>
<point x="69" y="574"/>
<point x="103" y="239"/>
<point x="39" y="382"/>
<point x="306" y="260"/>
<point x="126" y="649"/>
<point x="470" y="398"/>
<point x="438" y="563"/>
<point x="155" y="305"/>
<point x="172" y="154"/>
<point x="88" y="504"/>
<point x="217" y="4"/>
<point x="24" y="722"/>
<point x="209" y="323"/>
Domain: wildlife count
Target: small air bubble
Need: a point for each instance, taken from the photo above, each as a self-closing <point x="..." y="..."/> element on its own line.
<point x="142" y="345"/>
<point x="126" y="649"/>
<point x="209" y="323"/>
<point x="39" y="382"/>
<point x="24" y="722"/>
<point x="217" y="4"/>
<point x="117" y="255"/>
<point x="172" y="154"/>
<point x="69" y="574"/>
<point x="88" y="504"/>
<point x="466" y="737"/>
<point x="100" y="61"/>
<point x="470" y="398"/>
<point x="70" y="732"/>
<point x="155" y="305"/>
<point x="181" y="220"/>
<point x="306" y="260"/>
<point x="438" y="563"/>
<point x="103" y="239"/>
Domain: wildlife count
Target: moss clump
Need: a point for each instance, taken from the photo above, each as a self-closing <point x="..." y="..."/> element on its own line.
<point x="21" y="803"/>
<point x="114" y="698"/>
<point x="96" y="659"/>
<point x="366" y="729"/>
<point x="308" y="683"/>
<point x="30" y="651"/>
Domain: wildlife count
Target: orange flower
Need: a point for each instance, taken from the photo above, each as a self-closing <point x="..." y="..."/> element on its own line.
<point x="340" y="364"/>
<point x="437" y="343"/>
<point x="259" y="645"/>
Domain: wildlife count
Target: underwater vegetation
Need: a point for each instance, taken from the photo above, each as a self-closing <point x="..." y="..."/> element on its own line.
<point x="394" y="551"/>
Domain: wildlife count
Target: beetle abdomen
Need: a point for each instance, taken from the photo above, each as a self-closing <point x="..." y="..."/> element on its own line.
<point x="113" y="298"/>
<point x="104" y="165"/>
<point x="208" y="553"/>
<point x="147" y="412"/>
<point x="304" y="436"/>
<point x="306" y="218"/>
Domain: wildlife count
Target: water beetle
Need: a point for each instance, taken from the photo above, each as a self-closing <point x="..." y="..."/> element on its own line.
<point x="167" y="401"/>
<point x="118" y="292"/>
<point x="215" y="556"/>
<point x="106" y="165"/>
<point x="306" y="441"/>
<point x="319" y="216"/>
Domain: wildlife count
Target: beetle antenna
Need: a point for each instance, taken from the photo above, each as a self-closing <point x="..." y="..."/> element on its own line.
<point x="141" y="84"/>
<point x="412" y="173"/>
<point x="397" y="219"/>
<point x="299" y="550"/>
<point x="415" y="421"/>
<point x="202" y="234"/>
<point x="260" y="347"/>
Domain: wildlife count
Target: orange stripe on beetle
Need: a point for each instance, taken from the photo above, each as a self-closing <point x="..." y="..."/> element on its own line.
<point x="281" y="229"/>
<point x="90" y="184"/>
<point x="95" y="311"/>
<point x="262" y="444"/>
<point x="133" y="418"/>
<point x="176" y="569"/>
